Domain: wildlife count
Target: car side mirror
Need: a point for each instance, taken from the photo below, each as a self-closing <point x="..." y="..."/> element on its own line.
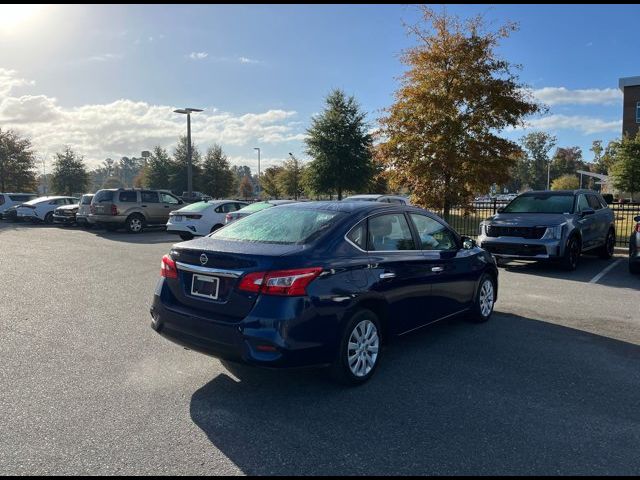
<point x="468" y="243"/>
<point x="180" y="202"/>
<point x="588" y="211"/>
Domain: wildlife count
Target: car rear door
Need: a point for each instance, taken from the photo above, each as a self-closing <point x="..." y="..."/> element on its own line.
<point x="151" y="206"/>
<point x="455" y="270"/>
<point x="400" y="271"/>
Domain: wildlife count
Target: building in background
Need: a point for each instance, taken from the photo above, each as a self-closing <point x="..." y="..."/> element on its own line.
<point x="630" y="87"/>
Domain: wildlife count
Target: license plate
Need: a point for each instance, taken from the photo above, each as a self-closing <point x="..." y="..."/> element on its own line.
<point x="205" y="286"/>
<point x="177" y="218"/>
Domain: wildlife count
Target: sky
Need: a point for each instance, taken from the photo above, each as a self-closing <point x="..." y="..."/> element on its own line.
<point x="106" y="79"/>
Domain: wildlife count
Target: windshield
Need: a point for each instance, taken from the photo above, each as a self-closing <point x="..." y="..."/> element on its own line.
<point x="255" y="207"/>
<point x="541" y="203"/>
<point x="285" y="226"/>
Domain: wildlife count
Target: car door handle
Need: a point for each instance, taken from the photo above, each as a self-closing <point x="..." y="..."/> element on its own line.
<point x="437" y="269"/>
<point x="387" y="275"/>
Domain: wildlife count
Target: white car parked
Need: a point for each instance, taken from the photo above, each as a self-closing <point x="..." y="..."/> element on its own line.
<point x="201" y="218"/>
<point x="41" y="208"/>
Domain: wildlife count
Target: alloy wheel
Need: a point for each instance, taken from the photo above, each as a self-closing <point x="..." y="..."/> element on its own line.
<point x="363" y="348"/>
<point x="486" y="298"/>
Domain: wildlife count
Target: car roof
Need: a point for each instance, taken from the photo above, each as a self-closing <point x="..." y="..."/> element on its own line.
<point x="281" y="202"/>
<point x="367" y="195"/>
<point x="561" y="192"/>
<point x="342" y="206"/>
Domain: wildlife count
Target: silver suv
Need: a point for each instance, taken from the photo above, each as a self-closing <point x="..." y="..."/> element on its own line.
<point x="548" y="225"/>
<point x="132" y="209"/>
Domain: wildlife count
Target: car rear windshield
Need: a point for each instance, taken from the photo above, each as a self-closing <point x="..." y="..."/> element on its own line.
<point x="542" y="203"/>
<point x="86" y="199"/>
<point x="284" y="226"/>
<point x="103" y="196"/>
<point x="196" y="207"/>
<point x="256" y="207"/>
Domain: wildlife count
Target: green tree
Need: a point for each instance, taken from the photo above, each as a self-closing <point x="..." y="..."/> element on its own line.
<point x="128" y="169"/>
<point x="567" y="161"/>
<point x="69" y="173"/>
<point x="178" y="176"/>
<point x="246" y="188"/>
<point x="158" y="169"/>
<point x="269" y="182"/>
<point x="217" y="179"/>
<point x="626" y="169"/>
<point x="565" y="182"/>
<point x="290" y="178"/>
<point x="17" y="163"/>
<point x="458" y="95"/>
<point x="340" y="146"/>
<point x="113" y="182"/>
<point x="537" y="146"/>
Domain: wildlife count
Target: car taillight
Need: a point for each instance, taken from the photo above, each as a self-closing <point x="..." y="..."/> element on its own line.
<point x="114" y="210"/>
<point x="168" y="267"/>
<point x="288" y="283"/>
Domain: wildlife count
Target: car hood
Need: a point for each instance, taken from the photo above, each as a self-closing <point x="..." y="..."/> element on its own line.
<point x="528" y="219"/>
<point x="68" y="207"/>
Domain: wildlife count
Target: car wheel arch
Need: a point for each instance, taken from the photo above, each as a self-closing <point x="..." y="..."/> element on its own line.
<point x="377" y="305"/>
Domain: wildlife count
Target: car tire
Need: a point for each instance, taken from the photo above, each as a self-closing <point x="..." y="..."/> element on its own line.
<point x="484" y="301"/>
<point x="135" y="223"/>
<point x="634" y="267"/>
<point x="606" y="251"/>
<point x="359" y="350"/>
<point x="48" y="218"/>
<point x="216" y="227"/>
<point x="186" y="236"/>
<point x="572" y="252"/>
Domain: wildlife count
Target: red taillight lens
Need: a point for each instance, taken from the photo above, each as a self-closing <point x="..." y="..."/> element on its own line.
<point x="114" y="210"/>
<point x="228" y="217"/>
<point x="252" y="282"/>
<point x="288" y="283"/>
<point x="168" y="267"/>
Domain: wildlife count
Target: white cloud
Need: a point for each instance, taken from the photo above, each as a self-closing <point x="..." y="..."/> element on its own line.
<point x="9" y="80"/>
<point x="105" y="57"/>
<point x="198" y="55"/>
<point x="126" y="127"/>
<point x="589" y="96"/>
<point x="586" y="125"/>
<point x="248" y="60"/>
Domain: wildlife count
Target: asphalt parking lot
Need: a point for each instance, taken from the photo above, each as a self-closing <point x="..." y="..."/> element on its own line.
<point x="551" y="385"/>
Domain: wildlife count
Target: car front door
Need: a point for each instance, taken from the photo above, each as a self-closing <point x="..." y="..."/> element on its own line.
<point x="456" y="270"/>
<point x="602" y="219"/>
<point x="400" y="271"/>
<point x="169" y="204"/>
<point x="150" y="203"/>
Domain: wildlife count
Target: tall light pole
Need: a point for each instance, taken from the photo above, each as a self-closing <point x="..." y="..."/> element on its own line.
<point x="258" y="149"/>
<point x="187" y="112"/>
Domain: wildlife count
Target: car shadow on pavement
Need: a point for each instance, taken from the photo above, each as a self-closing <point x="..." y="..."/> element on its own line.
<point x="513" y="396"/>
<point x="150" y="235"/>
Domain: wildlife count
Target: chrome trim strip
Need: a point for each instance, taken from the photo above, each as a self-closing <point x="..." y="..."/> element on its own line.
<point x="209" y="271"/>
<point x="525" y="257"/>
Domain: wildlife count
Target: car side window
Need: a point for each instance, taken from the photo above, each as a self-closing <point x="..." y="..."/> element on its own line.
<point x="166" y="198"/>
<point x="239" y="206"/>
<point x="128" y="197"/>
<point x="149" y="197"/>
<point x="390" y="233"/>
<point x="228" y="208"/>
<point x="357" y="235"/>
<point x="396" y="201"/>
<point x="433" y="235"/>
<point x="583" y="204"/>
<point x="594" y="202"/>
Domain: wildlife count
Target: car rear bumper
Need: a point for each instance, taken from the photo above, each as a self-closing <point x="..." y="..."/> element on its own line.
<point x="183" y="228"/>
<point x="64" y="219"/>
<point x="242" y="341"/>
<point x="514" y="247"/>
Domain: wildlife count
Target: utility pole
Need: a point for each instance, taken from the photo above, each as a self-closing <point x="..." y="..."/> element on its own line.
<point x="188" y="112"/>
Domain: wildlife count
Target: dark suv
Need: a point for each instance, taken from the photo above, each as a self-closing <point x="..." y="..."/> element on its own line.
<point x="547" y="225"/>
<point x="132" y="209"/>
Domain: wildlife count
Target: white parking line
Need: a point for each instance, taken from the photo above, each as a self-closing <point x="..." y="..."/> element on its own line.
<point x="605" y="271"/>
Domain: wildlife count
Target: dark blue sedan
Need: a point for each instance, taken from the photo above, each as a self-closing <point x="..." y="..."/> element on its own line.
<point x="320" y="283"/>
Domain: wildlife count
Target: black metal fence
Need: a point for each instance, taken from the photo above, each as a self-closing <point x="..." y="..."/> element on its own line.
<point x="468" y="223"/>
